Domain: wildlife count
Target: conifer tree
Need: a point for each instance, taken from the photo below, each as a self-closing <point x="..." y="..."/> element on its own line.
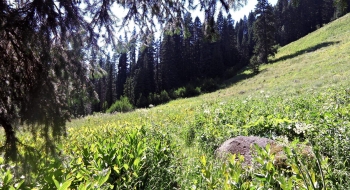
<point x="264" y="34"/>
<point x="198" y="43"/>
<point x="187" y="50"/>
<point x="122" y="74"/>
<point x="110" y="81"/>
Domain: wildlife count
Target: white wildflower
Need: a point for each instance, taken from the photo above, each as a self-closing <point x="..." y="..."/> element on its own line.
<point x="217" y="111"/>
<point x="301" y="127"/>
<point x="283" y="139"/>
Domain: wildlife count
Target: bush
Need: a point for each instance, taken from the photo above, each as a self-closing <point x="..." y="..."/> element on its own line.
<point x="179" y="93"/>
<point x="229" y="73"/>
<point x="122" y="105"/>
<point x="164" y="97"/>
<point x="191" y="91"/>
<point x="209" y="85"/>
<point x="254" y="64"/>
<point x="154" y="99"/>
<point x="142" y="102"/>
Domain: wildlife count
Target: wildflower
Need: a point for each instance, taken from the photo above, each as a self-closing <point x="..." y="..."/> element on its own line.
<point x="301" y="127"/>
<point x="207" y="111"/>
<point x="217" y="111"/>
<point x="283" y="139"/>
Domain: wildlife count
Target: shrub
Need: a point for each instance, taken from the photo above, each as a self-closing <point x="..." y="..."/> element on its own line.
<point x="209" y="85"/>
<point x="191" y="91"/>
<point x="179" y="93"/>
<point x="122" y="105"/>
<point x="229" y="73"/>
<point x="254" y="64"/>
<point x="164" y="97"/>
<point x="142" y="101"/>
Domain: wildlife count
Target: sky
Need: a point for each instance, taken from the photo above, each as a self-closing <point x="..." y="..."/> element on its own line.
<point x="237" y="15"/>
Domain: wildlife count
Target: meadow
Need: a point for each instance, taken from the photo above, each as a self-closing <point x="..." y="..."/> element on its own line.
<point x="302" y="97"/>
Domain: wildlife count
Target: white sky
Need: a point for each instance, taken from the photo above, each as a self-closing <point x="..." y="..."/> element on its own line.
<point x="237" y="15"/>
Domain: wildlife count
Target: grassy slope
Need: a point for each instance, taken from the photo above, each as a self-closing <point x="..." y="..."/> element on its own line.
<point x="318" y="61"/>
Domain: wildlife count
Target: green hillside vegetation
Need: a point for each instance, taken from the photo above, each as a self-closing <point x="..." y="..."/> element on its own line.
<point x="302" y="96"/>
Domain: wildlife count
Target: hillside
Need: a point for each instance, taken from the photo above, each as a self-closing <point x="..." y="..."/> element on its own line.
<point x="303" y="94"/>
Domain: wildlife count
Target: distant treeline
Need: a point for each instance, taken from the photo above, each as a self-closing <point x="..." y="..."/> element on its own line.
<point x="189" y="62"/>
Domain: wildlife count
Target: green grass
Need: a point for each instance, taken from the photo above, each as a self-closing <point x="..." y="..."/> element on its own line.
<point x="306" y="85"/>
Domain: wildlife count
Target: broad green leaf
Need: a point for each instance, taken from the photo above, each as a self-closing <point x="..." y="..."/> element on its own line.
<point x="19" y="184"/>
<point x="137" y="161"/>
<point x="57" y="184"/>
<point x="126" y="166"/>
<point x="101" y="181"/>
<point x="65" y="185"/>
<point x="8" y="177"/>
<point x="260" y="177"/>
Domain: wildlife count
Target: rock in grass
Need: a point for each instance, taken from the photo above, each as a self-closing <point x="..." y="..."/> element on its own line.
<point x="243" y="145"/>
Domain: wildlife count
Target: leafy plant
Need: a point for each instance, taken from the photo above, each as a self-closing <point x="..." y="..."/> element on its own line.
<point x="122" y="105"/>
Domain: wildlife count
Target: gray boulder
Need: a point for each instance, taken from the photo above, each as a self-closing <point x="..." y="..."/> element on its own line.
<point x="243" y="145"/>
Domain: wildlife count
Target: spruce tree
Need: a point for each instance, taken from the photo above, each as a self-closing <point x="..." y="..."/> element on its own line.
<point x="198" y="43"/>
<point x="110" y="80"/>
<point x="264" y="33"/>
<point x="122" y="74"/>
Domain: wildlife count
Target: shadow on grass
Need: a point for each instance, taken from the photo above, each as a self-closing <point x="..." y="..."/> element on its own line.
<point x="307" y="50"/>
<point x="242" y="75"/>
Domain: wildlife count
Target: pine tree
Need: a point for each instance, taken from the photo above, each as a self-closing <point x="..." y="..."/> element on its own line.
<point x="187" y="50"/>
<point x="122" y="74"/>
<point x="169" y="75"/>
<point x="198" y="43"/>
<point x="341" y="7"/>
<point x="281" y="22"/>
<point x="110" y="80"/>
<point x="233" y="54"/>
<point x="157" y="69"/>
<point x="327" y="11"/>
<point x="264" y="32"/>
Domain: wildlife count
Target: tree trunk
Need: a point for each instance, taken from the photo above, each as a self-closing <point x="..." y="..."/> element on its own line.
<point x="10" y="144"/>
